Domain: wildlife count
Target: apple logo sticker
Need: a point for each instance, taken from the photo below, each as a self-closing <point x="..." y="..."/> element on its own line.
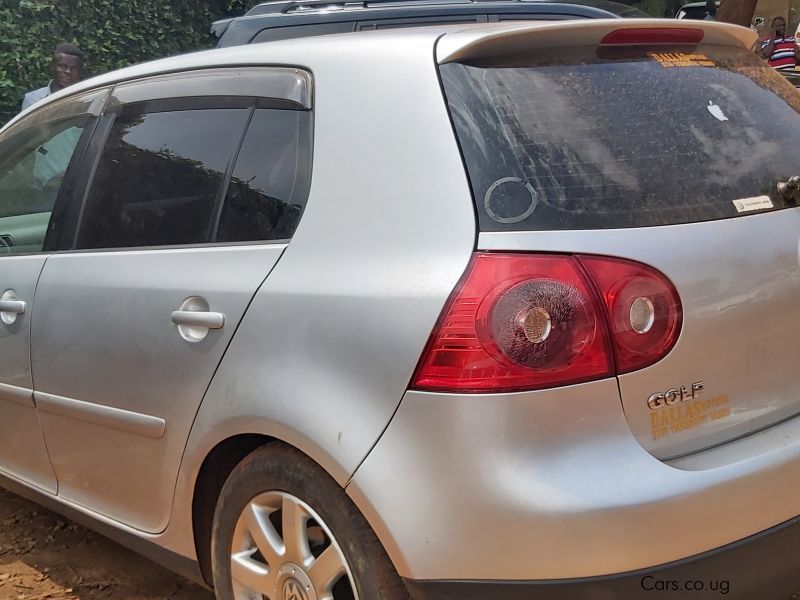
<point x="716" y="111"/>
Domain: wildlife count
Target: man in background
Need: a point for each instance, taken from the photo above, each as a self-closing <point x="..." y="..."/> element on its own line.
<point x="779" y="49"/>
<point x="66" y="69"/>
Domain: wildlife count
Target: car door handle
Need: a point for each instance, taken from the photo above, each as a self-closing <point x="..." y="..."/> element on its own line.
<point x="196" y="318"/>
<point x="16" y="307"/>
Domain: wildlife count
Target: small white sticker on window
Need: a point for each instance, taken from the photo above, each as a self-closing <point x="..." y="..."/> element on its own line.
<point x="750" y="204"/>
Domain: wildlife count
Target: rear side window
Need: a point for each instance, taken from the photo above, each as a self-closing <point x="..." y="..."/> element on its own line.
<point x="269" y="184"/>
<point x="591" y="138"/>
<point x="159" y="177"/>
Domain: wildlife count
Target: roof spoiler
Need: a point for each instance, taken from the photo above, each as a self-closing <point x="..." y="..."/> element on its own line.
<point x="471" y="43"/>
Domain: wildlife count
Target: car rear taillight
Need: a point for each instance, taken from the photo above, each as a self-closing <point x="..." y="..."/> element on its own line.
<point x="643" y="310"/>
<point x="653" y="36"/>
<point x="532" y="321"/>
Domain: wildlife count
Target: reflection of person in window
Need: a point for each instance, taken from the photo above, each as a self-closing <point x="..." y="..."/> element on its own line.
<point x="66" y="68"/>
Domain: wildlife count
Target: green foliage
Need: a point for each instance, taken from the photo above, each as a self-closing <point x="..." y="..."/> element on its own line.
<point x="112" y="33"/>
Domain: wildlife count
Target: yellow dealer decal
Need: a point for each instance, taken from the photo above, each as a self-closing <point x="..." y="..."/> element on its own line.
<point x="670" y="60"/>
<point x="680" y="417"/>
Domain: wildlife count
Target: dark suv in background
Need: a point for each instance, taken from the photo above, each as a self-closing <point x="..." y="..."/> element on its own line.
<point x="285" y="19"/>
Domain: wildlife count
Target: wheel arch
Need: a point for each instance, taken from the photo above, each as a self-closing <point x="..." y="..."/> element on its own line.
<point x="217" y="464"/>
<point x="214" y="471"/>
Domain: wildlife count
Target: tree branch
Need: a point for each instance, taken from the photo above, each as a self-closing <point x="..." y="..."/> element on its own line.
<point x="738" y="12"/>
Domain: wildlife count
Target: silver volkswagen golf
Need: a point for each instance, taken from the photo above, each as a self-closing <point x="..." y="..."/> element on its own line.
<point x="472" y="313"/>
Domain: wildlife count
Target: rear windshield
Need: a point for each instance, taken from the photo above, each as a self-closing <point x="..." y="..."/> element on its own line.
<point x="593" y="138"/>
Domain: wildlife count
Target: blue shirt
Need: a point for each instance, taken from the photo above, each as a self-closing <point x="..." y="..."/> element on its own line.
<point x="33" y="97"/>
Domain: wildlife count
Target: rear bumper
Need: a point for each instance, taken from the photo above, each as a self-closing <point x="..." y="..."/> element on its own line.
<point x="552" y="485"/>
<point x="766" y="565"/>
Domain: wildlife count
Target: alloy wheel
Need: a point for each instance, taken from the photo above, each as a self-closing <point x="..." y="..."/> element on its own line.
<point x="282" y="550"/>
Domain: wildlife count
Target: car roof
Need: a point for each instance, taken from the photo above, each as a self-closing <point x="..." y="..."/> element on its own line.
<point x="455" y="42"/>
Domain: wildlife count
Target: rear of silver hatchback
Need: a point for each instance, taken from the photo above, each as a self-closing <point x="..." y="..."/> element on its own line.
<point x="530" y="326"/>
<point x="609" y="402"/>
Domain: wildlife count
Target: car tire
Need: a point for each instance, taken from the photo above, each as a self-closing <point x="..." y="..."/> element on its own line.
<point x="278" y="488"/>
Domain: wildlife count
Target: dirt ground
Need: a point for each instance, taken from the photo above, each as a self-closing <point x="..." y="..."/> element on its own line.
<point x="46" y="557"/>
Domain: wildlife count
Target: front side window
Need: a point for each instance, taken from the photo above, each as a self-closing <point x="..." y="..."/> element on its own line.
<point x="159" y="177"/>
<point x="33" y="164"/>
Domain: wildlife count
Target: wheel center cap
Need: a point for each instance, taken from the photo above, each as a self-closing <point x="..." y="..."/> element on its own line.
<point x="295" y="584"/>
<point x="292" y="590"/>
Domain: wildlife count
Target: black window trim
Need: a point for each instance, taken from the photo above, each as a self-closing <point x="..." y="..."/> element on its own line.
<point x="59" y="224"/>
<point x="75" y="211"/>
<point x="222" y="193"/>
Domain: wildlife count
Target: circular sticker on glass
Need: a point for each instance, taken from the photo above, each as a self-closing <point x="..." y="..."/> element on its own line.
<point x="510" y="200"/>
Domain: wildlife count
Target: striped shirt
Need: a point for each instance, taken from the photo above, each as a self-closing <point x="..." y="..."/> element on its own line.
<point x="782" y="56"/>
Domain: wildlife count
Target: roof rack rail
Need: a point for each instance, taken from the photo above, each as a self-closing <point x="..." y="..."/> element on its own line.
<point x="286" y="6"/>
<point x="377" y="3"/>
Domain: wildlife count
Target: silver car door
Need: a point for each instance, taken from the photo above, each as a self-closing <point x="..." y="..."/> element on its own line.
<point x="38" y="156"/>
<point x="177" y="234"/>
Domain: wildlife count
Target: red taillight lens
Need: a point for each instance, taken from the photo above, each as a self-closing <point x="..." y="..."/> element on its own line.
<point x="653" y="36"/>
<point x="532" y="321"/>
<point x="518" y="322"/>
<point x="644" y="310"/>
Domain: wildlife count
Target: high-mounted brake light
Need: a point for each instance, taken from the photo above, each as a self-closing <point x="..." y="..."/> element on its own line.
<point x="532" y="321"/>
<point x="653" y="36"/>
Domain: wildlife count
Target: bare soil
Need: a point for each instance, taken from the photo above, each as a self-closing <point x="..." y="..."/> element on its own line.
<point x="46" y="557"/>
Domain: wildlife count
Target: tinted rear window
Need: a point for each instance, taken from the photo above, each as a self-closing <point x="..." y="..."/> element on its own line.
<point x="159" y="177"/>
<point x="594" y="138"/>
